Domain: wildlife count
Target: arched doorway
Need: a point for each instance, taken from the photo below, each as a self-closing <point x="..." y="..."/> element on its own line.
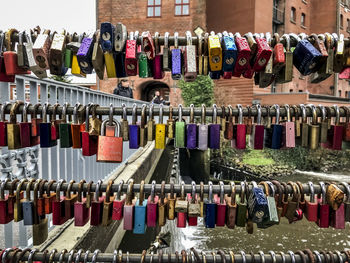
<point x="150" y="87"/>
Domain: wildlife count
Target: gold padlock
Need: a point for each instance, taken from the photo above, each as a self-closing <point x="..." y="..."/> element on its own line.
<point x="215" y="52"/>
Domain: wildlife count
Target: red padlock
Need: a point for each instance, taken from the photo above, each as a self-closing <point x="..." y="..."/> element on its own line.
<point x="148" y="45"/>
<point x="5" y="217"/>
<point x="243" y="55"/>
<point x="221" y="207"/>
<point x="40" y="203"/>
<point x="337" y="219"/>
<point x="58" y="209"/>
<point x="158" y="72"/>
<point x="194" y="207"/>
<point x="346" y="124"/>
<point x="240" y="130"/>
<point x="25" y="128"/>
<point x="118" y="203"/>
<point x="3" y="125"/>
<point x="152" y="207"/>
<point x="97" y="206"/>
<point x="258" y="132"/>
<point x="128" y="212"/>
<point x="130" y="56"/>
<point x="35" y="139"/>
<point x="323" y="208"/>
<point x="3" y="76"/>
<point x="279" y="59"/>
<point x="311" y="206"/>
<point x="81" y="207"/>
<point x="54" y="124"/>
<point x="335" y="133"/>
<point x="90" y="140"/>
<point x="49" y="198"/>
<point x="263" y="53"/>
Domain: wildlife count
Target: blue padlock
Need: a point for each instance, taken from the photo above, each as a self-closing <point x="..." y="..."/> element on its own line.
<point x="305" y="56"/>
<point x="258" y="208"/>
<point x="119" y="61"/>
<point x="107" y="36"/>
<point x="273" y="135"/>
<point x="215" y="74"/>
<point x="176" y="60"/>
<point x="214" y="131"/>
<point x="210" y="209"/>
<point x="230" y="52"/>
<point x="45" y="130"/>
<point x="140" y="212"/>
<point x="134" y="130"/>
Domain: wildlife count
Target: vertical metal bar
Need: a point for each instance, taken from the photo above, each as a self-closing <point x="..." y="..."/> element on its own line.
<point x="69" y="151"/>
<point x="61" y="152"/>
<point x="33" y="89"/>
<point x="53" y="152"/>
<point x="5" y="91"/>
<point x="8" y="235"/>
<point x="20" y="89"/>
<point x="45" y="160"/>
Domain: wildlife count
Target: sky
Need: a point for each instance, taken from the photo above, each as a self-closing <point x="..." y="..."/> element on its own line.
<point x="73" y="15"/>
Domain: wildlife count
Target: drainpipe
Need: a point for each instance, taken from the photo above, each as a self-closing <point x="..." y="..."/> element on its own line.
<point x="336" y="75"/>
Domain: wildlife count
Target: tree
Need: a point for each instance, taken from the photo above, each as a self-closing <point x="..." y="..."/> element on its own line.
<point x="198" y="92"/>
<point x="61" y="78"/>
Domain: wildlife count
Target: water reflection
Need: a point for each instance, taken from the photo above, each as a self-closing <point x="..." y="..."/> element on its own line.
<point x="285" y="236"/>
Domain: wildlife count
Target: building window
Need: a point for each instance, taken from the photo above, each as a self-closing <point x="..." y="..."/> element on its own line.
<point x="154" y="8"/>
<point x="339" y="93"/>
<point x="182" y="7"/>
<point x="346" y="94"/>
<point x="293" y="14"/>
<point x="341" y="21"/>
<point x="300" y="90"/>
<point x="302" y="20"/>
<point x="291" y="91"/>
<point x="348" y="25"/>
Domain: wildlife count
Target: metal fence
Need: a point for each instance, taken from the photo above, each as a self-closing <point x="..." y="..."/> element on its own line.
<point x="52" y="163"/>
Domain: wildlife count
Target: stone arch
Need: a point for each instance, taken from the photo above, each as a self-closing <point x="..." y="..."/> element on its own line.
<point x="148" y="88"/>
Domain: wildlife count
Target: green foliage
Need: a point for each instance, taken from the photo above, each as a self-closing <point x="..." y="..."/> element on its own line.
<point x="257" y="157"/>
<point x="198" y="92"/>
<point x="64" y="79"/>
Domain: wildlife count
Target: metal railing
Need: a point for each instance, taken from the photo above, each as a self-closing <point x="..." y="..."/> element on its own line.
<point x="52" y="163"/>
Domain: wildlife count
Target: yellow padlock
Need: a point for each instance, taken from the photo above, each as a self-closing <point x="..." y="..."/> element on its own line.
<point x="110" y="66"/>
<point x="76" y="68"/>
<point x="215" y="52"/>
<point x="160" y="131"/>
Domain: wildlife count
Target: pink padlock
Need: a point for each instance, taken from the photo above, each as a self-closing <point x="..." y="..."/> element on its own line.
<point x="152" y="207"/>
<point x="288" y="131"/>
<point x="241" y="130"/>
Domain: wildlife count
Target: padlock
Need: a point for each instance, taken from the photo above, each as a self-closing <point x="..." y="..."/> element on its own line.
<point x="65" y="131"/>
<point x="160" y="131"/>
<point x="191" y="131"/>
<point x="311" y="206"/>
<point x="128" y="210"/>
<point x="279" y="199"/>
<point x="68" y="54"/>
<point x="74" y="47"/>
<point x="346" y="125"/>
<point x="58" y="206"/>
<point x="143" y="127"/>
<point x="118" y="203"/>
<point x="335" y="197"/>
<point x="323" y="125"/>
<point x="56" y="54"/>
<point x="5" y="216"/>
<point x="70" y="200"/>
<point x="140" y="212"/>
<point x="190" y="71"/>
<point x="203" y="131"/>
<point x="110" y="148"/>
<point x="89" y="141"/>
<point x="347" y="202"/>
<point x="97" y="206"/>
<point x="124" y="124"/>
<point x="120" y="36"/>
<point x="205" y="55"/>
<point x="305" y="56"/>
<point x="338" y="62"/>
<point x="170" y="124"/>
<point x="49" y="198"/>
<point x="335" y="133"/>
<point x="293" y="212"/>
<point x="130" y="56"/>
<point x="55" y="124"/>
<point x="210" y="208"/>
<point x="180" y="132"/>
<point x="265" y="77"/>
<point x="162" y="206"/>
<point x="152" y="207"/>
<point x="176" y="59"/>
<point x="40" y="200"/>
<point x="194" y="208"/>
<point x="181" y="208"/>
<point x="17" y="209"/>
<point x="242" y="209"/>
<point x="3" y="125"/>
<point x="231" y="207"/>
<point x="257" y="204"/>
<point x="158" y="59"/>
<point x="13" y="128"/>
<point x="220" y="207"/>
<point x="270" y="218"/>
<point x="228" y="133"/>
<point x="22" y="58"/>
<point x="10" y="56"/>
<point x="288" y="131"/>
<point x="81" y="208"/>
<point x="273" y="135"/>
<point x="134" y="130"/>
<point x="107" y="44"/>
<point x="143" y="63"/>
<point x="240" y="130"/>
<point x="214" y="131"/>
<point x="285" y="200"/>
<point x="35" y="139"/>
<point x="148" y="45"/>
<point x="263" y="53"/>
<point x="257" y="136"/>
<point x="119" y="62"/>
<point x="151" y="124"/>
<point x="171" y="202"/>
<point x="279" y="58"/>
<point x="319" y="44"/>
<point x="200" y="64"/>
<point x="41" y="49"/>
<point x="166" y="53"/>
<point x="215" y="52"/>
<point x="3" y="76"/>
<point x="40" y="223"/>
<point x="97" y="57"/>
<point x="84" y="54"/>
<point x="323" y="209"/>
<point x="314" y="130"/>
<point x="230" y="54"/>
<point x="45" y="130"/>
<point x="107" y="209"/>
<point x="286" y="73"/>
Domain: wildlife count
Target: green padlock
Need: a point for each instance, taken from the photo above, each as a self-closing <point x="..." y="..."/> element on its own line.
<point x="180" y="130"/>
<point x="68" y="54"/>
<point x="143" y="66"/>
<point x="65" y="131"/>
<point x="241" y="207"/>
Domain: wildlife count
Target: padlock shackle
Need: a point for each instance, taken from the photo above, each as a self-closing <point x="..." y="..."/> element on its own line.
<point x="233" y="193"/>
<point x="337" y="114"/>
<point x="2" y="189"/>
<point x="13" y="111"/>
<point x="277" y="118"/>
<point x="97" y="190"/>
<point x="150" y="113"/>
<point x="188" y="38"/>
<point x="323" y="189"/>
<point x="156" y="43"/>
<point x="191" y="113"/>
<point x="87" y="116"/>
<point x="166" y="40"/>
<point x="121" y="183"/>
<point x="303" y="113"/>
<point x="29" y="185"/>
<point x="69" y="188"/>
<point x="312" y="192"/>
<point x="2" y="110"/>
<point x="176" y="40"/>
<point x="182" y="193"/>
<point x="314" y="114"/>
<point x="44" y="111"/>
<point x="110" y="117"/>
<point x="280" y="192"/>
<point x="203" y="113"/>
<point x="80" y="189"/>
<point x="215" y="114"/>
<point x="108" y="192"/>
<point x="115" y="123"/>
<point x="36" y="190"/>
<point x="193" y="194"/>
<point x="287" y="108"/>
<point x="347" y="188"/>
<point x="129" y="192"/>
<point x="180" y="112"/>
<point x="266" y="187"/>
<point x="162" y="192"/>
<point x="134" y="114"/>
<point x="258" y="119"/>
<point x="125" y="116"/>
<point x="64" y="112"/>
<point x="143" y="116"/>
<point x="230" y="115"/>
<point x="160" y="114"/>
<point x="240" y="114"/>
<point x="222" y="192"/>
<point x="210" y="195"/>
<point x="141" y="193"/>
<point x="172" y="190"/>
<point x="153" y="190"/>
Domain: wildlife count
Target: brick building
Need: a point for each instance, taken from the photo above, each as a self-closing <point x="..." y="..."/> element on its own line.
<point x="282" y="16"/>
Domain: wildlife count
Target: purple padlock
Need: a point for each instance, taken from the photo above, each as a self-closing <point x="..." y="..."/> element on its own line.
<point x="214" y="131"/>
<point x="203" y="132"/>
<point x="84" y="55"/>
<point x="176" y="59"/>
<point x="134" y="130"/>
<point x="191" y="131"/>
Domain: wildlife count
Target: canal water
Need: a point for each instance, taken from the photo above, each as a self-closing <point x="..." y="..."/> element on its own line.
<point x="282" y="237"/>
